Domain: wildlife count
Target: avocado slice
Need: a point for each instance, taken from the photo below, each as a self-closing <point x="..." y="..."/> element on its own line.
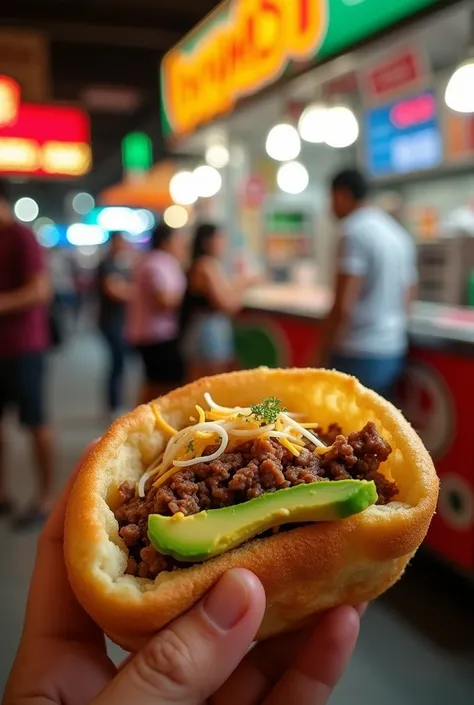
<point x="201" y="536"/>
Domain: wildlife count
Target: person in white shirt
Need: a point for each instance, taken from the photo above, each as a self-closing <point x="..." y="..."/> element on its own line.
<point x="365" y="333"/>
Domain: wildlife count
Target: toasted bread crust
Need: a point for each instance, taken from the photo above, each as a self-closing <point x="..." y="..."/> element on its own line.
<point x="305" y="570"/>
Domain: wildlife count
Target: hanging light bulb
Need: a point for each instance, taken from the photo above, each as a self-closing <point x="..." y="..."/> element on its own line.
<point x="342" y="127"/>
<point x="312" y="124"/>
<point x="207" y="181"/>
<point x="217" y="155"/>
<point x="183" y="189"/>
<point x="283" y="143"/>
<point x="459" y="94"/>
<point x="292" y="177"/>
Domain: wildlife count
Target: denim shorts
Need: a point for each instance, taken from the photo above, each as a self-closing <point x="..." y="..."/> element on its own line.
<point x="378" y="373"/>
<point x="209" y="338"/>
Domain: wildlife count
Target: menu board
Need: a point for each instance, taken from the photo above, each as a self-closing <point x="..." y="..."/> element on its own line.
<point x="403" y="136"/>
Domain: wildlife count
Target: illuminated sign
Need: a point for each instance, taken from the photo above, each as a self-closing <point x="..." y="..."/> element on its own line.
<point x="404" y="136"/>
<point x="239" y="56"/>
<point x="41" y="140"/>
<point x="246" y="45"/>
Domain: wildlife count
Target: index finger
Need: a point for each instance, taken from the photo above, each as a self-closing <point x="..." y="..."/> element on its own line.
<point x="52" y="609"/>
<point x="318" y="667"/>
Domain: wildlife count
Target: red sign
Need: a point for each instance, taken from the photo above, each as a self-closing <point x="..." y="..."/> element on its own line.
<point x="398" y="72"/>
<point x="41" y="140"/>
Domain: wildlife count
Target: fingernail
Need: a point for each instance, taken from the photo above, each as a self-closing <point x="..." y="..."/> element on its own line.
<point x="361" y="609"/>
<point x="228" y="601"/>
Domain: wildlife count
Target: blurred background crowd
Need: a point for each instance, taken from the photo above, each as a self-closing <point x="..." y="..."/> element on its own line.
<point x="277" y="183"/>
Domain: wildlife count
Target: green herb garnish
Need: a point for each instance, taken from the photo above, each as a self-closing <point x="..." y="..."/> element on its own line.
<point x="190" y="447"/>
<point x="267" y="411"/>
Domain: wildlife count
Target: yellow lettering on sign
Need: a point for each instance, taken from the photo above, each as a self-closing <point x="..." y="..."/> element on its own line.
<point x="245" y="51"/>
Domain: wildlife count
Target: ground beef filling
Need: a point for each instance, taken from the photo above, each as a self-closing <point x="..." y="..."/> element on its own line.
<point x="255" y="467"/>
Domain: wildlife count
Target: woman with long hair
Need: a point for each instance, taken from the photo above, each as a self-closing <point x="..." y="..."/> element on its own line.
<point x="153" y="312"/>
<point x="211" y="299"/>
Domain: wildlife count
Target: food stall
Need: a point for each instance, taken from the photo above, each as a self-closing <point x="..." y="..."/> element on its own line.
<point x="276" y="97"/>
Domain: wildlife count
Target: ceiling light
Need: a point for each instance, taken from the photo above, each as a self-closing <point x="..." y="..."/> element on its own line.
<point x="283" y="143"/>
<point x="121" y="219"/>
<point x="83" y="235"/>
<point x="83" y="203"/>
<point x="183" y="189"/>
<point x="40" y="222"/>
<point x="26" y="209"/>
<point x="176" y="216"/>
<point x="312" y="125"/>
<point x="217" y="155"/>
<point x="292" y="177"/>
<point x="48" y="235"/>
<point x="342" y="127"/>
<point x="207" y="181"/>
<point x="146" y="217"/>
<point x="460" y="90"/>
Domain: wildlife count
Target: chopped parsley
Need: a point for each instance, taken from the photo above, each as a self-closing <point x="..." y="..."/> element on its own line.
<point x="190" y="447"/>
<point x="218" y="439"/>
<point x="267" y="411"/>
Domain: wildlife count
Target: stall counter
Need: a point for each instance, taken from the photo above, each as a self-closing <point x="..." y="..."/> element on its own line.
<point x="280" y="325"/>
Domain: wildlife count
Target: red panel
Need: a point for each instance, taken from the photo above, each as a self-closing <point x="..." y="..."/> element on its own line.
<point x="437" y="399"/>
<point x="49" y="122"/>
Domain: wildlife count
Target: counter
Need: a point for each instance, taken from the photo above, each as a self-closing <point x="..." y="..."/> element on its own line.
<point x="280" y="326"/>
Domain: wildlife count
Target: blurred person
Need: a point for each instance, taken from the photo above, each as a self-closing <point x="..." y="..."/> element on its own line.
<point x="24" y="333"/>
<point x="211" y="299"/>
<point x="152" y="314"/>
<point x="62" y="276"/>
<point x="366" y="332"/>
<point x="114" y="286"/>
<point x="204" y="656"/>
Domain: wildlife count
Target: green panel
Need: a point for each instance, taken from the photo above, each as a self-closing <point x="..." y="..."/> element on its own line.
<point x="350" y="21"/>
<point x="137" y="151"/>
<point x="255" y="347"/>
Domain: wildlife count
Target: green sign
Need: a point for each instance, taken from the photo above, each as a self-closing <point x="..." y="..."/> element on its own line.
<point x="246" y="45"/>
<point x="137" y="152"/>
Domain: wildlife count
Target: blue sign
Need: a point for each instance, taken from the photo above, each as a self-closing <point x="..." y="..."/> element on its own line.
<point x="403" y="136"/>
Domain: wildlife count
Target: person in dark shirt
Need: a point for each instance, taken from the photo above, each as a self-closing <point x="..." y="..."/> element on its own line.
<point x="24" y="339"/>
<point x="114" y="292"/>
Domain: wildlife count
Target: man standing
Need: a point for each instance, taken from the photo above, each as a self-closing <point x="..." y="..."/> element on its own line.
<point x="24" y="295"/>
<point x="366" y="331"/>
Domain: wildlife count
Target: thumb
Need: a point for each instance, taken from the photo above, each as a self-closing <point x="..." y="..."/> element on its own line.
<point x="192" y="657"/>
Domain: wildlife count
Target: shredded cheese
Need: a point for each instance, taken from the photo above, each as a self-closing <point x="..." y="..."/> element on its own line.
<point x="219" y="424"/>
<point x="224" y="409"/>
<point x="202" y="415"/>
<point x="304" y="431"/>
<point x="289" y="446"/>
<point x="161" y="422"/>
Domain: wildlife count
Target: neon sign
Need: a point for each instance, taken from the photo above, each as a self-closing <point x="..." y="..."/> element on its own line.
<point x="239" y="56"/>
<point x="246" y="45"/>
<point x="41" y="140"/>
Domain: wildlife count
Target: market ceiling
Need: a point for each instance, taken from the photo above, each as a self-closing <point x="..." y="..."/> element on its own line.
<point x="116" y="44"/>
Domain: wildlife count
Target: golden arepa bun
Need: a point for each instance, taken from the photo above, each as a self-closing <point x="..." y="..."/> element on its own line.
<point x="304" y="570"/>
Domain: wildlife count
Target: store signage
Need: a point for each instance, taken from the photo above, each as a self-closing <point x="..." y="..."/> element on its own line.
<point x="403" y="136"/>
<point x="402" y="71"/>
<point x="239" y="56"/>
<point x="246" y="45"/>
<point x="41" y="140"/>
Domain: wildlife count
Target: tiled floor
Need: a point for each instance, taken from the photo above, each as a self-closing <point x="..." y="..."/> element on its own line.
<point x="416" y="646"/>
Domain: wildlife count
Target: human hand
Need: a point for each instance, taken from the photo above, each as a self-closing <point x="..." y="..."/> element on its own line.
<point x="202" y="657"/>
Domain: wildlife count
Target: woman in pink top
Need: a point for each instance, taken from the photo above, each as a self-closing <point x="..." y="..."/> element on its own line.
<point x="152" y="315"/>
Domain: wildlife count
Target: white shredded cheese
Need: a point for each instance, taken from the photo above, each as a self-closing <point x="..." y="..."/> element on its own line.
<point x="304" y="431"/>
